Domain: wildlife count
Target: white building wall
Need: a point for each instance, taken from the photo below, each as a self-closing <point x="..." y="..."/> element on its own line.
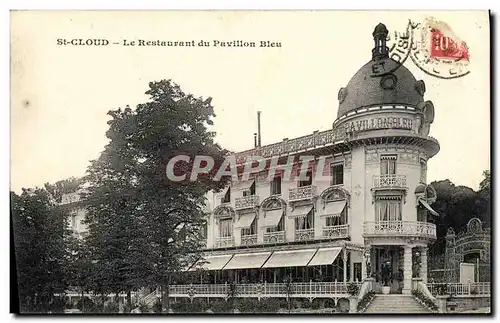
<point x="359" y="192"/>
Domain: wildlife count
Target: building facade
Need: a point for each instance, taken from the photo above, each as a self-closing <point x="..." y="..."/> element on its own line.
<point x="365" y="209"/>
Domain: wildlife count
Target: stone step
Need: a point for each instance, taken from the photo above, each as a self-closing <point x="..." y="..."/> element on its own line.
<point x="395" y="304"/>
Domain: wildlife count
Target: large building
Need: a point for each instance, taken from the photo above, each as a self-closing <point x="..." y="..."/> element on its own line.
<point x="372" y="217"/>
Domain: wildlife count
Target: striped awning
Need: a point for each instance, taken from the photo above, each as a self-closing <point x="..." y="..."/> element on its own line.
<point x="245" y="220"/>
<point x="300" y="211"/>
<point x="325" y="256"/>
<point x="248" y="260"/>
<point x="290" y="258"/>
<point x="427" y="206"/>
<point x="272" y="218"/>
<point x="212" y="262"/>
<point x="333" y="208"/>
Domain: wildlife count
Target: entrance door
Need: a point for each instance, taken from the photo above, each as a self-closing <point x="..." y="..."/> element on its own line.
<point x="388" y="269"/>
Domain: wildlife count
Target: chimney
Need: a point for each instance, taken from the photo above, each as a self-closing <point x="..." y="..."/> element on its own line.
<point x="259" y="142"/>
<point x="255" y="140"/>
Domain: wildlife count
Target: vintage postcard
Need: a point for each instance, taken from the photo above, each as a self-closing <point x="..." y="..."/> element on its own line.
<point x="251" y="162"/>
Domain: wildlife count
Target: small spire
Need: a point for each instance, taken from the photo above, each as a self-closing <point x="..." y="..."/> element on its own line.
<point x="379" y="37"/>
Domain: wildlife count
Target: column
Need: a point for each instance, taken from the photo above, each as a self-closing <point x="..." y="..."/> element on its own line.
<point x="345" y="264"/>
<point x="407" y="270"/>
<point x="351" y="268"/>
<point x="423" y="265"/>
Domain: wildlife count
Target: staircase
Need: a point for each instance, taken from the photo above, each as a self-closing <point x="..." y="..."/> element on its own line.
<point x="395" y="303"/>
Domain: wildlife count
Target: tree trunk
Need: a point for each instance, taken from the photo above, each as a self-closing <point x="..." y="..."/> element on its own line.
<point x="167" y="296"/>
<point x="83" y="301"/>
<point x="129" y="301"/>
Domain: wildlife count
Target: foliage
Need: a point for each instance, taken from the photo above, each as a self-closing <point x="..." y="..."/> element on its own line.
<point x="441" y="289"/>
<point x="157" y="308"/>
<point x="39" y="240"/>
<point x="365" y="301"/>
<point x="426" y="301"/>
<point x="352" y="288"/>
<point x="141" y="224"/>
<point x="458" y="204"/>
<point x="143" y="307"/>
<point x="86" y="305"/>
<point x="59" y="188"/>
<point x="111" y="307"/>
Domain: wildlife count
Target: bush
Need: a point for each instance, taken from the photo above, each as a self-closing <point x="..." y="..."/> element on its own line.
<point x="112" y="307"/>
<point x="220" y="306"/>
<point x="269" y="305"/>
<point x="365" y="300"/>
<point x="249" y="305"/>
<point x="86" y="305"/>
<point x="353" y="289"/>
<point x="424" y="299"/>
<point x="441" y="289"/>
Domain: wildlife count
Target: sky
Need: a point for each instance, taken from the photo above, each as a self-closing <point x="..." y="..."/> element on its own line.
<point x="60" y="94"/>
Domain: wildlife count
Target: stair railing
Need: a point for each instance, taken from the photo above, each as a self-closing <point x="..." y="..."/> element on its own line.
<point x="149" y="298"/>
<point x="422" y="287"/>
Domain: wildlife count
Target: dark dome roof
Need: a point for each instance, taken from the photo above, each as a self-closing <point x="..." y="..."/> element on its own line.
<point x="380" y="29"/>
<point x="399" y="87"/>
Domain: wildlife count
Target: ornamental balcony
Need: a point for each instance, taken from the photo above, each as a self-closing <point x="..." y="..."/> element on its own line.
<point x="301" y="193"/>
<point x="274" y="237"/>
<point x="389" y="181"/>
<point x="246" y="202"/>
<point x="304" y="235"/>
<point x="336" y="231"/>
<point x="223" y="242"/>
<point x="249" y="240"/>
<point x="400" y="228"/>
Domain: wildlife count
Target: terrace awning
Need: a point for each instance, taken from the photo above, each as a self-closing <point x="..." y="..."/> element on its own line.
<point x="325" y="256"/>
<point x="301" y="211"/>
<point x="272" y="218"/>
<point x="248" y="260"/>
<point x="427" y="206"/>
<point x="245" y="220"/>
<point x="290" y="258"/>
<point x="212" y="262"/>
<point x="333" y="208"/>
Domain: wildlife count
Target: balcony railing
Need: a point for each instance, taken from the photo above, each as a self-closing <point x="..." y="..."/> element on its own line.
<point x="301" y="193"/>
<point x="249" y="240"/>
<point x="221" y="242"/>
<point x="336" y="231"/>
<point x="400" y="228"/>
<point x="304" y="290"/>
<point x="246" y="202"/>
<point x="274" y="237"/>
<point x="459" y="289"/>
<point x="389" y="181"/>
<point x="304" y="234"/>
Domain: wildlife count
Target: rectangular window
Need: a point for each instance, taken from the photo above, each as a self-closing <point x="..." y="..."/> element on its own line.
<point x="423" y="171"/>
<point x="388" y="165"/>
<point x="204" y="230"/>
<point x="308" y="181"/>
<point x="337" y="174"/>
<point x="305" y="222"/>
<point x="250" y="230"/>
<point x="334" y="220"/>
<point x="225" y="228"/>
<point x="276" y="186"/>
<point x="280" y="227"/>
<point x="388" y="210"/>
<point x="250" y="191"/>
<point x="227" y="196"/>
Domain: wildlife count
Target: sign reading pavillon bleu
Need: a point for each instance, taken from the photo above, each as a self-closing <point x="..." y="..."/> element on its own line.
<point x="378" y="123"/>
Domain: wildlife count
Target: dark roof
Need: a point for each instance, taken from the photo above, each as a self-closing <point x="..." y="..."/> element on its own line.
<point x="365" y="87"/>
<point x="380" y="29"/>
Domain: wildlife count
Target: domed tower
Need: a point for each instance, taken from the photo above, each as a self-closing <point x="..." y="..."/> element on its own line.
<point x="386" y="120"/>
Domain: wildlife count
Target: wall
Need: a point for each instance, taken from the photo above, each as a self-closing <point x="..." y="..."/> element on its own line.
<point x="468" y="303"/>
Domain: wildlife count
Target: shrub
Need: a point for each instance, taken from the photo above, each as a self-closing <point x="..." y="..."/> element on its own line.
<point x="365" y="300"/>
<point x="86" y="305"/>
<point x="220" y="306"/>
<point x="425" y="300"/>
<point x="353" y="289"/>
<point x="111" y="307"/>
<point x="249" y="305"/>
<point x="442" y="289"/>
<point x="157" y="306"/>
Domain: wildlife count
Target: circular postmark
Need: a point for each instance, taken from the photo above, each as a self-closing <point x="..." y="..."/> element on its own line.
<point x="437" y="51"/>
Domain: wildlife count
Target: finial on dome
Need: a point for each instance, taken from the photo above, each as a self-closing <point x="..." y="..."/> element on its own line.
<point x="379" y="36"/>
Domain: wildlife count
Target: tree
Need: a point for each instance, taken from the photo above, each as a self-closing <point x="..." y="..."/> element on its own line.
<point x="39" y="239"/>
<point x="65" y="186"/>
<point x="151" y="226"/>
